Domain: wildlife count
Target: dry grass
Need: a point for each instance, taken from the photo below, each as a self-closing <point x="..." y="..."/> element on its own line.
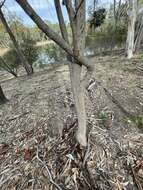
<point x="3" y="51"/>
<point x="38" y="44"/>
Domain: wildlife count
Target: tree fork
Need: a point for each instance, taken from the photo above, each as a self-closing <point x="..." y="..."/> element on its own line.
<point x="52" y="34"/>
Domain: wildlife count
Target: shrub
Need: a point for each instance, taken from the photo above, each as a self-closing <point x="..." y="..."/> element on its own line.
<point x="29" y="50"/>
<point x="55" y="53"/>
<point x="12" y="59"/>
<point x="107" y="36"/>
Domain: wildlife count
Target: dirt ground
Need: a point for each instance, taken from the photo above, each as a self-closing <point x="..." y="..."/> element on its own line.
<point x="37" y="125"/>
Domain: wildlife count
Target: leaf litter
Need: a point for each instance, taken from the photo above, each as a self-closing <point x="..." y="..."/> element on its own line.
<point x="38" y="148"/>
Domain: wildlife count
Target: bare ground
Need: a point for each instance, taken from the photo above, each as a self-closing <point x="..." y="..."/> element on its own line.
<point x="34" y="156"/>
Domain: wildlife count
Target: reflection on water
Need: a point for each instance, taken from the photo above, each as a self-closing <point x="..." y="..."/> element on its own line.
<point x="44" y="59"/>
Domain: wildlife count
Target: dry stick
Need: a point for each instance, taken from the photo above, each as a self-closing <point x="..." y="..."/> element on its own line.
<point x="18" y="116"/>
<point x="23" y="184"/>
<point x="49" y="173"/>
<point x="140" y="87"/>
<point x="138" y="184"/>
<point x="115" y="101"/>
<point x="88" y="152"/>
<point x="7" y="179"/>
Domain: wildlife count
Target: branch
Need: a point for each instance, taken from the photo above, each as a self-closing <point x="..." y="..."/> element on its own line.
<point x="61" y="20"/>
<point x="2" y="3"/>
<point x="71" y="14"/>
<point x="110" y="96"/>
<point x="78" y="9"/>
<point x="62" y="25"/>
<point x="51" y="33"/>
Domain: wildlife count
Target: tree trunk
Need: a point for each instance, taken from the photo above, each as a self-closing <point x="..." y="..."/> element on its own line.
<point x="139" y="33"/>
<point x="114" y="12"/>
<point x="3" y="99"/>
<point x="131" y="28"/>
<point x="78" y="88"/>
<point x="75" y="69"/>
<point x="22" y="58"/>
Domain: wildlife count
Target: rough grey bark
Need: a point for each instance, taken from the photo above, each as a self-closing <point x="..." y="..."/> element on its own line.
<point x="22" y="58"/>
<point x="3" y="99"/>
<point x="132" y="13"/>
<point x="51" y="33"/>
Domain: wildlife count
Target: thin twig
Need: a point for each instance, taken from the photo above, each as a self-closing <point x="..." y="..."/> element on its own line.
<point x="6" y="180"/>
<point x="18" y="116"/>
<point x="49" y="173"/>
<point x="87" y="153"/>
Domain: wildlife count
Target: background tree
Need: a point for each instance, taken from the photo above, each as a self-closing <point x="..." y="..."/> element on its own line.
<point x="111" y="33"/>
<point x="139" y="27"/>
<point x="8" y="67"/>
<point x="97" y="18"/>
<point x="28" y="48"/>
<point x="22" y="58"/>
<point x="132" y="15"/>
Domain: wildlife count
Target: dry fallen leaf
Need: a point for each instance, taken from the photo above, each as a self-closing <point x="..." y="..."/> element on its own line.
<point x="27" y="154"/>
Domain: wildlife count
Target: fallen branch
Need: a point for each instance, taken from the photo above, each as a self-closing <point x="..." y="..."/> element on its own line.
<point x="48" y="171"/>
<point x="94" y="83"/>
<point x="116" y="102"/>
<point x="18" y="116"/>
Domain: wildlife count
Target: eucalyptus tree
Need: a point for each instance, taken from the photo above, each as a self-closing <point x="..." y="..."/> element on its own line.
<point x="132" y="15"/>
<point x="75" y="50"/>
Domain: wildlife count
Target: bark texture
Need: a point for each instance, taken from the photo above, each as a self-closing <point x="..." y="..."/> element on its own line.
<point x="22" y="58"/>
<point x="78" y="88"/>
<point x="139" y="33"/>
<point x="132" y="13"/>
<point x="3" y="99"/>
<point x="78" y="31"/>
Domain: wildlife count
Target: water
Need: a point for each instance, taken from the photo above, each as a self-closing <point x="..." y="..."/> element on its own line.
<point x="44" y="59"/>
